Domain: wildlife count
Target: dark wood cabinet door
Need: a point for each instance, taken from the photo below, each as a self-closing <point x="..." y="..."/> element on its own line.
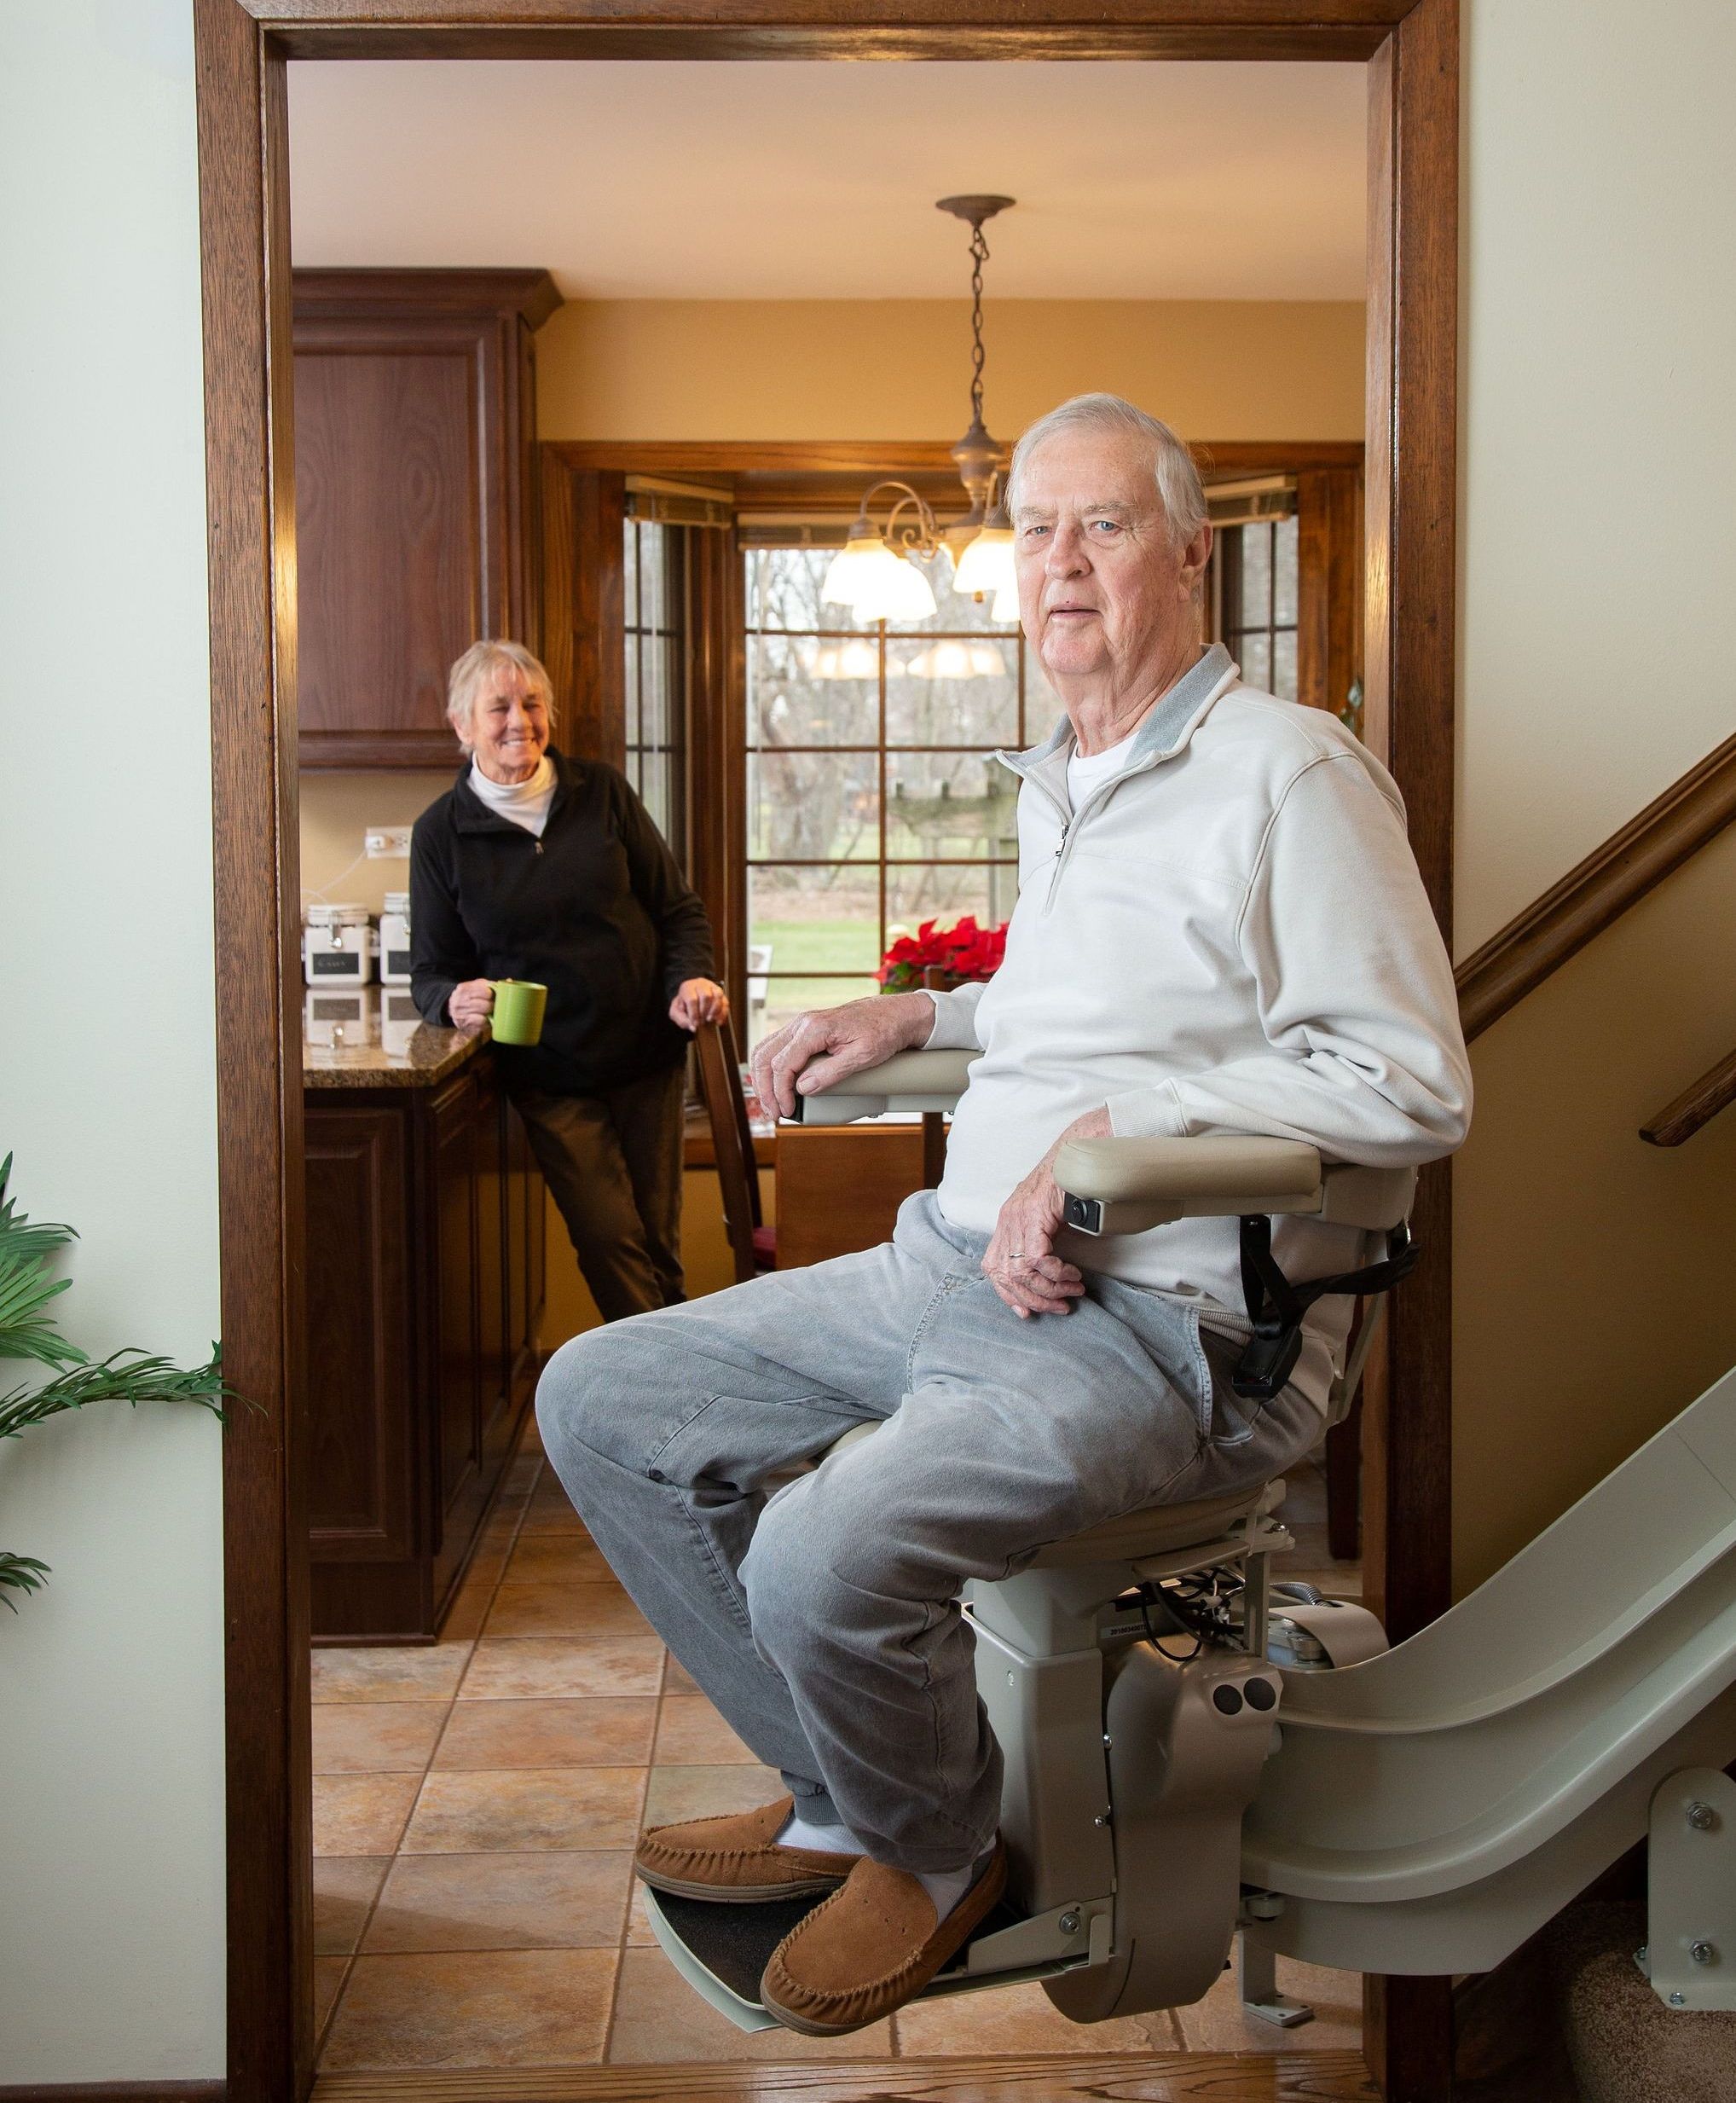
<point x="496" y="1363"/>
<point x="360" y="1379"/>
<point x="454" y="1325"/>
<point x="393" y="582"/>
<point x="414" y="420"/>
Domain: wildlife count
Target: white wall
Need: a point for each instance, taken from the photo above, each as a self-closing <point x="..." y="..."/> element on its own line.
<point x="111" y="1817"/>
<point x="1599" y="445"/>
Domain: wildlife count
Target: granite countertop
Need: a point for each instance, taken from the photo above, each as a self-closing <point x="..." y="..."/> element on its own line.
<point x="371" y="1037"/>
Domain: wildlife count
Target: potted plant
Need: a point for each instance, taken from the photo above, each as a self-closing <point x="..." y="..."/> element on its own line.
<point x="30" y="1333"/>
<point x="936" y="959"/>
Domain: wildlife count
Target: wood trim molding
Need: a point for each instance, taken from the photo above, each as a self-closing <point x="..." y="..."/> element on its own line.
<point x="1177" y="2077"/>
<point x="782" y="457"/>
<point x="1600" y="890"/>
<point x="115" y="2092"/>
<point x="529" y="295"/>
<point x="1695" y="1107"/>
<point x="241" y="47"/>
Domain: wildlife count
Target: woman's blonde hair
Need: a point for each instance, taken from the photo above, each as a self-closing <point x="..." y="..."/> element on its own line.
<point x="465" y="680"/>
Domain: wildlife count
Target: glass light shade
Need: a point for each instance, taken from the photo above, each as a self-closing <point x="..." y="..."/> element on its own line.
<point x="987" y="565"/>
<point x="854" y="563"/>
<point x="1006" y="605"/>
<point x="858" y="658"/>
<point x="956" y="659"/>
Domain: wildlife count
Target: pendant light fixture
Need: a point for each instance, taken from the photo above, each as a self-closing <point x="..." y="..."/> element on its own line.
<point x="874" y="571"/>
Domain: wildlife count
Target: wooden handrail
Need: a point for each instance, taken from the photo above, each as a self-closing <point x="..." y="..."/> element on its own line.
<point x="1517" y="960"/>
<point x="1693" y="1107"/>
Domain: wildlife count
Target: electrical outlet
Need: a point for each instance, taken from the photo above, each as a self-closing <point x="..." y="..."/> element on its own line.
<point x="387" y="842"/>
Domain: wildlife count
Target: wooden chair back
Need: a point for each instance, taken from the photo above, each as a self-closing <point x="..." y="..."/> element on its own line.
<point x="731" y="1140"/>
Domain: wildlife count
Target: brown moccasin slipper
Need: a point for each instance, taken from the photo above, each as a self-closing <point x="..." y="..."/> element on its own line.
<point x="736" y="1858"/>
<point x="870" y="1948"/>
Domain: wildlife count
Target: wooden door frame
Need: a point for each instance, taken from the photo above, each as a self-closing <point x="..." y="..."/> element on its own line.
<point x="242" y="48"/>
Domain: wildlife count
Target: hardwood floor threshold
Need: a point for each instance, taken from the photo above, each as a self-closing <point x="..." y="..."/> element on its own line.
<point x="1164" y="2078"/>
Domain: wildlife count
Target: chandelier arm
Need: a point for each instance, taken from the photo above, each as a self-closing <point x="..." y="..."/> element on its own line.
<point x="920" y="535"/>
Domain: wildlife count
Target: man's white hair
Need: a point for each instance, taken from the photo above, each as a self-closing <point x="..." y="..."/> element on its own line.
<point x="1177" y="479"/>
<point x="465" y="680"/>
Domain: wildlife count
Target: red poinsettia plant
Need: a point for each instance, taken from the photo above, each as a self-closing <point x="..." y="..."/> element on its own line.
<point x="936" y="956"/>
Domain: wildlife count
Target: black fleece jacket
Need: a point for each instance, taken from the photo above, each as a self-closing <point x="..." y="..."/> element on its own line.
<point x="597" y="910"/>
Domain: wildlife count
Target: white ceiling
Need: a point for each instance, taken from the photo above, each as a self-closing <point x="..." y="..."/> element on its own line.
<point x="800" y="181"/>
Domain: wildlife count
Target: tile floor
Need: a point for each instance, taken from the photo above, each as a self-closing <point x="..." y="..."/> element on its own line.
<point x="475" y="1806"/>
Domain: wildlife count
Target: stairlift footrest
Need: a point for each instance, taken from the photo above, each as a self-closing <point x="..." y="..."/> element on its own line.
<point x="1691" y="1897"/>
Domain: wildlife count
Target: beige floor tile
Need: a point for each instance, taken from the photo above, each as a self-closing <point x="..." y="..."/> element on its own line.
<point x="677" y="1679"/>
<point x="499" y="2008"/>
<point x="598" y="1609"/>
<point x="522" y="1473"/>
<point x="398" y="1672"/>
<point x="557" y="1559"/>
<point x="533" y="1901"/>
<point x="328" y="1977"/>
<point x="361" y="1814"/>
<point x="659" y="2019"/>
<point x="546" y="1668"/>
<point x="345" y="1887"/>
<point x="513" y="1809"/>
<point x="605" y="1731"/>
<point x="691" y="1734"/>
<point x="465" y="1615"/>
<point x="375" y="1737"/>
<point x="550" y="1509"/>
<point x="1018" y="2020"/>
<point x="639" y="1926"/>
<point x="1217" y="2023"/>
<point x="679" y="1792"/>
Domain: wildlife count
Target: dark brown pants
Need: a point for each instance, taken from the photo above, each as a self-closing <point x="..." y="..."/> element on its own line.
<point x="613" y="1160"/>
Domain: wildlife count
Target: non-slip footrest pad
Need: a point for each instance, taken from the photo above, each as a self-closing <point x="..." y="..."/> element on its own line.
<point x="734" y="1942"/>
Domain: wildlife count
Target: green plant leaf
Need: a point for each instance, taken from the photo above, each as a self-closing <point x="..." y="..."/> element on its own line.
<point x="19" y="1573"/>
<point x="127" y="1375"/>
<point x="25" y="1288"/>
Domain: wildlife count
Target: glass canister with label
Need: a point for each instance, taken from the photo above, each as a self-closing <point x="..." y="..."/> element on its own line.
<point x="337" y="946"/>
<point x="395" y="939"/>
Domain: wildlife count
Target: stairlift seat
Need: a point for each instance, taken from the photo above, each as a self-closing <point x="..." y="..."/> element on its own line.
<point x="1154" y="1530"/>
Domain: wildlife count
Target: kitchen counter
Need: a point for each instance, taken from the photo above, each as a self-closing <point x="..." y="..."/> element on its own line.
<point x="371" y="1037"/>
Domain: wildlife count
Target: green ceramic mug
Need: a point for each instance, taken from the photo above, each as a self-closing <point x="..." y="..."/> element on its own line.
<point x="517" y="1016"/>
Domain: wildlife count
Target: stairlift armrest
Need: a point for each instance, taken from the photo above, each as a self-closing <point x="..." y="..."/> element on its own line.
<point x="907" y="1081"/>
<point x="1126" y="1186"/>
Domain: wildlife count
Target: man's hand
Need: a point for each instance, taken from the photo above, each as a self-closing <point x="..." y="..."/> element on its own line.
<point x="699" y="1000"/>
<point x="470" y="1005"/>
<point x="1019" y="1261"/>
<point x="826" y="1046"/>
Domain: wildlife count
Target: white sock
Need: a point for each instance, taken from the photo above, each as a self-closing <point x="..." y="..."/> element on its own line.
<point x="945" y="1889"/>
<point x="821" y="1839"/>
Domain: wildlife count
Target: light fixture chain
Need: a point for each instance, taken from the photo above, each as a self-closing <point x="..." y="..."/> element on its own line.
<point x="979" y="255"/>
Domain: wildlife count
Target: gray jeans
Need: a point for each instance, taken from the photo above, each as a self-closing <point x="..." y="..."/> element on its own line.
<point x="823" y="1620"/>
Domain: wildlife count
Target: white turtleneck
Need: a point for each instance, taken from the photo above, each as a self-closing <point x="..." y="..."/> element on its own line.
<point x="524" y="803"/>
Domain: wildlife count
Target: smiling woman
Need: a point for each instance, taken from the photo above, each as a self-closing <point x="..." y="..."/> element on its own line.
<point x="536" y="867"/>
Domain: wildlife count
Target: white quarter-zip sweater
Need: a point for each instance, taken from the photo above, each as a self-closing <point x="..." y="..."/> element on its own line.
<point x="1229" y="934"/>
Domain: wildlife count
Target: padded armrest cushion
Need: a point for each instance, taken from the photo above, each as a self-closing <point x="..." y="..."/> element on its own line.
<point x="1174" y="1171"/>
<point x="908" y="1081"/>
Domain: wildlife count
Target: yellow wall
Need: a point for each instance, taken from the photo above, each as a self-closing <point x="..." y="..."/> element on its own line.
<point x="900" y="368"/>
<point x="1593" y="1275"/>
<point x="336" y="809"/>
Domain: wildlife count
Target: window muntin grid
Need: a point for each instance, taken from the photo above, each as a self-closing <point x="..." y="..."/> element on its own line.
<point x="1259" y="589"/>
<point x="654" y="574"/>
<point x="873" y="800"/>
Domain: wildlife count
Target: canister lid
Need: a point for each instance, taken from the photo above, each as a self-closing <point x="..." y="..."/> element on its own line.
<point x="399" y="903"/>
<point x="351" y="914"/>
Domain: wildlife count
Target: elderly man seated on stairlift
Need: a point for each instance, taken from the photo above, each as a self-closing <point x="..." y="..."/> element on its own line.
<point x="1221" y="929"/>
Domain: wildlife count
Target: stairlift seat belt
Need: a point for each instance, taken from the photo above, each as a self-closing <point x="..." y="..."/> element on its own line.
<point x="1276" y="1306"/>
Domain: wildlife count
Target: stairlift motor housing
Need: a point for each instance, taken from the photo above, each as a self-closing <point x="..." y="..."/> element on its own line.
<point x="1418" y="1809"/>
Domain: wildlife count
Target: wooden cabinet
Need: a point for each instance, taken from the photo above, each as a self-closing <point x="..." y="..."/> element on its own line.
<point x="415" y="427"/>
<point x="425" y="1288"/>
